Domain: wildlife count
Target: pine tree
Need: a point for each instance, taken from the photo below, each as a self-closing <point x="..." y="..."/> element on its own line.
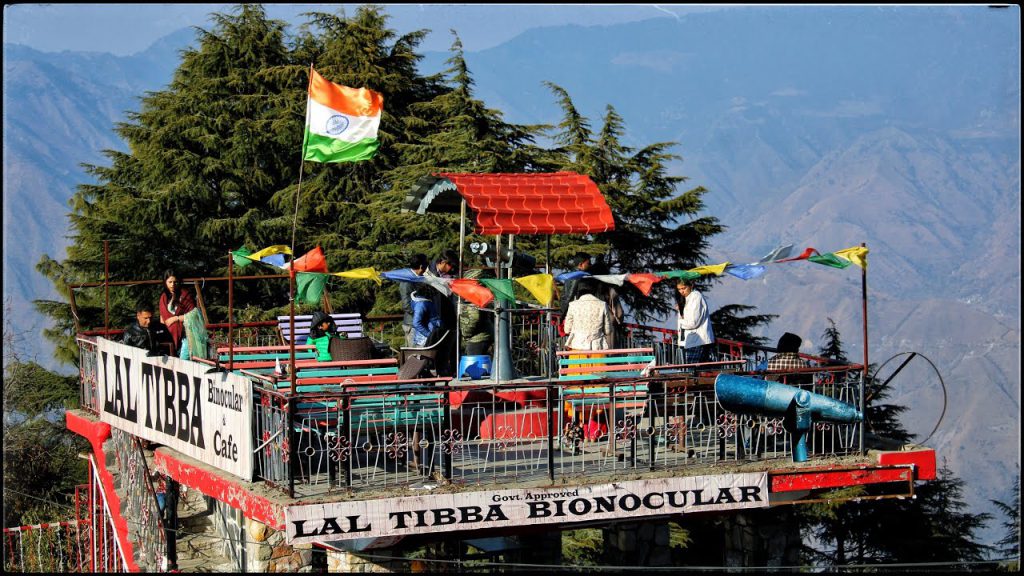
<point x="1009" y="545"/>
<point x="206" y="156"/>
<point x="833" y="346"/>
<point x="34" y="431"/>
<point x="656" y="227"/>
<point x="729" y="325"/>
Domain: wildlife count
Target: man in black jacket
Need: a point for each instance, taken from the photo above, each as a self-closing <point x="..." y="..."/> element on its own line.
<point x="146" y="333"/>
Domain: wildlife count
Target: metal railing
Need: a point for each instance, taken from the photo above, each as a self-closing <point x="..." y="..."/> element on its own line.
<point x="485" y="433"/>
<point x="146" y="530"/>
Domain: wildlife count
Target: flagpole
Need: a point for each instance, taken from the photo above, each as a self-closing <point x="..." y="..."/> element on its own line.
<point x="295" y="219"/>
<point x="864" y="313"/>
<point x="231" y="315"/>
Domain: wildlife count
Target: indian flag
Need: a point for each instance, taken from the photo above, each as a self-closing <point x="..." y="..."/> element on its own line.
<point x="341" y="122"/>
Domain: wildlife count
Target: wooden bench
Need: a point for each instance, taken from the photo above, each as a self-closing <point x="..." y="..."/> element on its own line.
<point x="349" y="323"/>
<point x="589" y="407"/>
<point x="597" y="364"/>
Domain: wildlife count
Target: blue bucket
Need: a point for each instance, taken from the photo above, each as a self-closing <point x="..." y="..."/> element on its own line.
<point x="476" y="367"/>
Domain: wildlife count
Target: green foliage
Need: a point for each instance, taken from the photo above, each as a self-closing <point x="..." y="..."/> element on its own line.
<point x="213" y="166"/>
<point x="1009" y="545"/>
<point x="729" y="325"/>
<point x="583" y="547"/>
<point x="40" y="464"/>
<point x="656" y="228"/>
<point x="833" y="344"/>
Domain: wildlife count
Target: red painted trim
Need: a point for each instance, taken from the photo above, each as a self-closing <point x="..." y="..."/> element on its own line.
<point x="233" y="493"/>
<point x="794" y="481"/>
<point x="923" y="461"/>
<point x="97" y="433"/>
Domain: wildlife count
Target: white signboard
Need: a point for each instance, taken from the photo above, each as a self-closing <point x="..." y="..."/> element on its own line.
<point x="521" y="507"/>
<point x="176" y="403"/>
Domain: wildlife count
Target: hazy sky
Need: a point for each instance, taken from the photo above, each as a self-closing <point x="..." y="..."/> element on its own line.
<point x="124" y="29"/>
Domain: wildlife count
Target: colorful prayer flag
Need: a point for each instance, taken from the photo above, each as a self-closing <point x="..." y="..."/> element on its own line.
<point x="472" y="291"/>
<point x="829" y="260"/>
<point x="715" y="269"/>
<point x="341" y="122"/>
<point x="745" y="271"/>
<point x="310" y="286"/>
<point x="360" y="274"/>
<point x="858" y="255"/>
<point x="778" y="253"/>
<point x="643" y="281"/>
<point x="402" y="275"/>
<point x="313" y="261"/>
<point x="807" y="253"/>
<point x="501" y="287"/>
<point x="541" y="286"/>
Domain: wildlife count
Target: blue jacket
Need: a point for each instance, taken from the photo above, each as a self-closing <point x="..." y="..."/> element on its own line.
<point x="425" y="318"/>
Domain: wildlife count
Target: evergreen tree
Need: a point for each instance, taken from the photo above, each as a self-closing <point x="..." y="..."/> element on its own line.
<point x="859" y="524"/>
<point x="34" y="431"/>
<point x="656" y="227"/>
<point x="729" y="325"/>
<point x="206" y="156"/>
<point x="833" y="346"/>
<point x="1009" y="546"/>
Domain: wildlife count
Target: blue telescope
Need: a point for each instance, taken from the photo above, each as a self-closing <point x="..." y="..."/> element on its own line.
<point x="744" y="395"/>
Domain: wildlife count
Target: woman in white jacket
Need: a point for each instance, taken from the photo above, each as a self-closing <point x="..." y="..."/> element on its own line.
<point x="695" y="333"/>
<point x="588" y="322"/>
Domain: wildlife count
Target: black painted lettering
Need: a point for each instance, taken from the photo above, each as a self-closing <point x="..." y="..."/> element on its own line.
<point x="539" y="509"/>
<point x="300" y="529"/>
<point x="698" y="498"/>
<point x="197" y="416"/>
<point x="443" y="516"/>
<point x="353" y="525"/>
<point x="118" y="389"/>
<point x="183" y="419"/>
<point x="579" y="506"/>
<point x="421" y="518"/>
<point x="170" y="426"/>
<point x="725" y="495"/>
<point x="108" y="392"/>
<point x="147" y="385"/>
<point x="629" y="502"/>
<point x="400" y="518"/>
<point x="331" y="527"/>
<point x="495" y="513"/>
<point x="604" y="504"/>
<point x="672" y="499"/>
<point x="750" y="493"/>
<point x="470" y="514"/>
<point x="131" y="402"/>
<point x="649" y="500"/>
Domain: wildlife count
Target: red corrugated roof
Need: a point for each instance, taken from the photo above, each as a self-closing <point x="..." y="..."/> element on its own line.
<point x="557" y="203"/>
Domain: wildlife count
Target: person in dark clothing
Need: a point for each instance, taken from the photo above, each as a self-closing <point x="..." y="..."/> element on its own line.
<point x="145" y="333"/>
<point x="418" y="265"/>
<point x="446" y="266"/>
<point x="321" y="329"/>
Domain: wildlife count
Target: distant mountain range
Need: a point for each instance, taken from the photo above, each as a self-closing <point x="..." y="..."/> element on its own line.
<point x="825" y="127"/>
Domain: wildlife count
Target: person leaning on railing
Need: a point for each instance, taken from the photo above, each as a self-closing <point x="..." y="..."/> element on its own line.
<point x="695" y="333"/>
<point x="788" y="359"/>
<point x="152" y="337"/>
<point x="175" y="302"/>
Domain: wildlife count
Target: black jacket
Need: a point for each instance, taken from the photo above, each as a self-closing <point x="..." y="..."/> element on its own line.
<point x="148" y="339"/>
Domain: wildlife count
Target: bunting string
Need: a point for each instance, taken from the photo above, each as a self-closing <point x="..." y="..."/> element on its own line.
<point x="312" y="274"/>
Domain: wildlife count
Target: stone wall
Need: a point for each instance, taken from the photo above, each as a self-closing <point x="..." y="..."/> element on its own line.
<point x="638" y="543"/>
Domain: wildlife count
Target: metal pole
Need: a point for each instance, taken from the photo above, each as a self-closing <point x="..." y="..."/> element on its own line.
<point x="864" y="312"/>
<point x="231" y="310"/>
<point x="106" y="286"/>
